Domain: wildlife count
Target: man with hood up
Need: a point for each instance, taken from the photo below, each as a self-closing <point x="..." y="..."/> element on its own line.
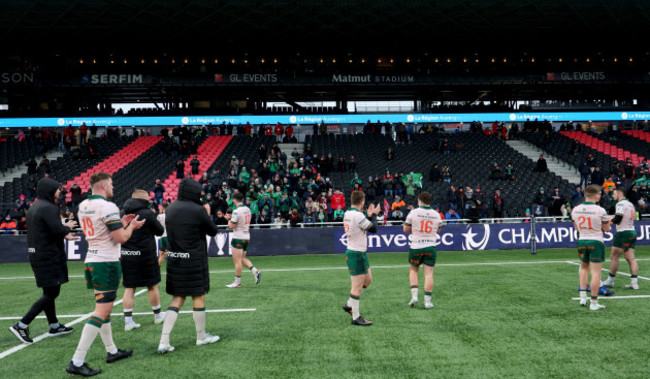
<point x="187" y="224"/>
<point x="139" y="259"/>
<point x="45" y="234"/>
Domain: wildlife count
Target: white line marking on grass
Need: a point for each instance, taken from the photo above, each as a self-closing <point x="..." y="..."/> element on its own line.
<point x="618" y="297"/>
<point x="377" y="267"/>
<point x="142" y="313"/>
<point x="17" y="348"/>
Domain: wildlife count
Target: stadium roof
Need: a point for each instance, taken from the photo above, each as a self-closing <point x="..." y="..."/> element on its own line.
<point x="395" y="26"/>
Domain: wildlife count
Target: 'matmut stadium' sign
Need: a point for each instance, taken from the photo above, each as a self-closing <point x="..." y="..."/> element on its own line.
<point x="366" y="79"/>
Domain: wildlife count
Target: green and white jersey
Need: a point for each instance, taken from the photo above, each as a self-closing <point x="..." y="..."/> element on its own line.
<point x="588" y="218"/>
<point x="242" y="217"/>
<point x="424" y="222"/>
<point x="98" y="218"/>
<point x="356" y="224"/>
<point x="626" y="210"/>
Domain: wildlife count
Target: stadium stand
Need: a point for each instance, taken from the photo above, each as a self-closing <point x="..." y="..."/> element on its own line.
<point x="602" y="146"/>
<point x="115" y="162"/>
<point x="470" y="166"/>
<point x="207" y="154"/>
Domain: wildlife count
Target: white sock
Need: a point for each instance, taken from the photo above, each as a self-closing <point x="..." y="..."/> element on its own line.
<point x="427" y="299"/>
<point x="128" y="316"/>
<point x="199" y="322"/>
<point x="253" y="270"/>
<point x="237" y="279"/>
<point x="22" y="325"/>
<point x="354" y="303"/>
<point x="168" y="325"/>
<point x="88" y="335"/>
<point x="156" y="311"/>
<point x="106" y="332"/>
<point x="414" y="293"/>
<point x="634" y="280"/>
<point x="583" y="294"/>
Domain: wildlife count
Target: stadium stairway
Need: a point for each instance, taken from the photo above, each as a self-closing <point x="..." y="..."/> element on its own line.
<point x="602" y="146"/>
<point x="115" y="162"/>
<point x="207" y="154"/>
<point x="557" y="166"/>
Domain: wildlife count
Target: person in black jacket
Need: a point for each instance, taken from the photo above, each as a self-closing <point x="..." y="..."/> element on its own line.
<point x="139" y="259"/>
<point x="47" y="257"/>
<point x="194" y="164"/>
<point x="187" y="224"/>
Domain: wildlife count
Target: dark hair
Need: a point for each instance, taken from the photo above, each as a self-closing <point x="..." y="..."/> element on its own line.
<point x="425" y="197"/>
<point x="620" y="189"/>
<point x="238" y="196"/>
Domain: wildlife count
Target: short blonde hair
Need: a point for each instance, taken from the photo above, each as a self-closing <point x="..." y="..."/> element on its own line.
<point x="98" y="177"/>
<point x="593" y="190"/>
<point x="140" y="194"/>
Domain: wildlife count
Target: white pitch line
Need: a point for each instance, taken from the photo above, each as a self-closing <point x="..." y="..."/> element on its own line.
<point x="142" y="313"/>
<point x="374" y="267"/>
<point x="17" y="348"/>
<point x="618" y="297"/>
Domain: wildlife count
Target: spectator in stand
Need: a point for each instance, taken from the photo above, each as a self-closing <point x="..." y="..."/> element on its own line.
<point x="264" y="218"/>
<point x="219" y="219"/>
<point x="371" y="190"/>
<point x="44" y="167"/>
<point x="309" y="218"/>
<point x="609" y="185"/>
<point x="194" y="164"/>
<point x="452" y="198"/>
<point x="410" y="189"/>
<point x="8" y="225"/>
<point x="451" y="215"/>
<point x="566" y="211"/>
<point x="279" y="131"/>
<point x="338" y="200"/>
<point x="578" y="195"/>
<point x="434" y="174"/>
<point x="288" y="135"/>
<point x="180" y="170"/>
<point x="31" y="166"/>
<point x="342" y="165"/>
<point x="446" y="174"/>
<point x="540" y="203"/>
<point x="498" y="206"/>
<point x="352" y="164"/>
<point x="158" y="192"/>
<point x="356" y="180"/>
<point x="338" y="214"/>
<point x="388" y="183"/>
<point x="21" y="224"/>
<point x="75" y="195"/>
<point x="397" y="204"/>
<point x="397" y="215"/>
<point x="555" y="202"/>
<point x="541" y="164"/>
<point x="510" y="172"/>
<point x="390" y="154"/>
<point x="480" y="199"/>
<point x="629" y="168"/>
<point x="597" y="177"/>
<point x="435" y="208"/>
<point x="398" y="185"/>
<point x="30" y="187"/>
<point x="585" y="174"/>
<point x="495" y="173"/>
<point x="295" y="217"/>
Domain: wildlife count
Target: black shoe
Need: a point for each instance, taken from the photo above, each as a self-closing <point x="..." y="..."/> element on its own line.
<point x="347" y="308"/>
<point x="22" y="334"/>
<point x="82" y="370"/>
<point x="361" y="322"/>
<point x="61" y="330"/>
<point x="121" y="354"/>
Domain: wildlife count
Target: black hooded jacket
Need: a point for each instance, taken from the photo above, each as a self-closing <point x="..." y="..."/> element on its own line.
<point x="45" y="236"/>
<point x="187" y="225"/>
<point x="139" y="254"/>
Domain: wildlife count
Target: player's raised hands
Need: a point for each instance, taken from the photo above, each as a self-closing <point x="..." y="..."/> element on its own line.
<point x="373" y="209"/>
<point x="126" y="219"/>
<point x="72" y="224"/>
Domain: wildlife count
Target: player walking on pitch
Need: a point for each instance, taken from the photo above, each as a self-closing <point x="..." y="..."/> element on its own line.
<point x="45" y="234"/>
<point x="624" y="240"/>
<point x="356" y="225"/>
<point x="139" y="260"/>
<point x="239" y="221"/>
<point x="104" y="231"/>
<point x="188" y="273"/>
<point x="590" y="220"/>
<point x="425" y="223"/>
